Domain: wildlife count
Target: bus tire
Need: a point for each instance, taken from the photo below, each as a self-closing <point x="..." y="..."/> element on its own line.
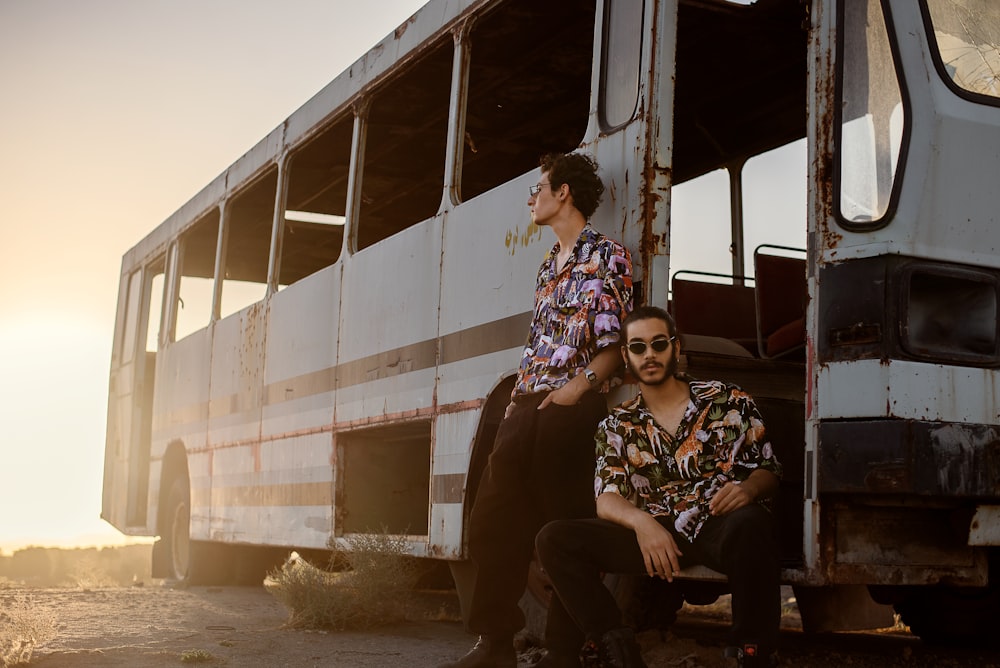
<point x="189" y="562"/>
<point x="176" y="531"/>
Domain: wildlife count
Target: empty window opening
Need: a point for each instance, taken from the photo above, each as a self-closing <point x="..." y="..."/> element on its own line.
<point x="386" y="479"/>
<point x="403" y="177"/>
<point x="529" y="88"/>
<point x="248" y="244"/>
<point x="197" y="275"/>
<point x="316" y="203"/>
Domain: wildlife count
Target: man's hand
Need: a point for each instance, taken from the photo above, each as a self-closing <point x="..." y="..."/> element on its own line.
<point x="731" y="497"/>
<point x="604" y="365"/>
<point x="760" y="485"/>
<point x="567" y="395"/>
<point x="659" y="550"/>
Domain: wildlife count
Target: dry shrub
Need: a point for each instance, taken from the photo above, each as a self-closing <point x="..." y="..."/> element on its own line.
<point x="374" y="591"/>
<point x="197" y="656"/>
<point x="90" y="573"/>
<point x="22" y="629"/>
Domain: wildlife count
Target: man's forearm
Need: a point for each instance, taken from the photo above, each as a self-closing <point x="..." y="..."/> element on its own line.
<point x="603" y="364"/>
<point x="606" y="362"/>
<point x="761" y="484"/>
<point x="616" y="508"/>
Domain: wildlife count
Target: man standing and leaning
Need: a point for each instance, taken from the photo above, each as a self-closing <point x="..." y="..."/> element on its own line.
<point x="683" y="471"/>
<point x="542" y="464"/>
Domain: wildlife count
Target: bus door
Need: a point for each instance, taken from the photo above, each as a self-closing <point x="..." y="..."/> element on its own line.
<point x="906" y="285"/>
<point x="130" y="414"/>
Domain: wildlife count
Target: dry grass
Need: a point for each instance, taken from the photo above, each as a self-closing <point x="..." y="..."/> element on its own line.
<point x="374" y="591"/>
<point x="90" y="572"/>
<point x="22" y="630"/>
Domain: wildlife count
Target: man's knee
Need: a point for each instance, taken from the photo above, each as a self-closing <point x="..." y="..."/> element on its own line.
<point x="554" y="538"/>
<point x="751" y="526"/>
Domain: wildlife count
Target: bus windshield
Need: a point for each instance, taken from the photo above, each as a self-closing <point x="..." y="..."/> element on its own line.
<point x="967" y="36"/>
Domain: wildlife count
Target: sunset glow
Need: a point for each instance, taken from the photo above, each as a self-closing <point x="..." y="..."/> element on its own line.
<point x="114" y="115"/>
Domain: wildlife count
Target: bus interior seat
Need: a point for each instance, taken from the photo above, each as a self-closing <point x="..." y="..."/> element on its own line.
<point x="707" y="309"/>
<point x="781" y="296"/>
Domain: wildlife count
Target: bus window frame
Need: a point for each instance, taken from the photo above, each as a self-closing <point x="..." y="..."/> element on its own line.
<point x="602" y="86"/>
<point x="222" y="310"/>
<point x="935" y="50"/>
<point x="838" y="124"/>
<point x="130" y="321"/>
<point x="177" y="255"/>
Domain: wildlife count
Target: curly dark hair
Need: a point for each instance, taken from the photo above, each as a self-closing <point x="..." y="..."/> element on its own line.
<point x="579" y="172"/>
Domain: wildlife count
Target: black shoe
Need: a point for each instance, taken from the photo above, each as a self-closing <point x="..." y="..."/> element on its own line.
<point x="619" y="649"/>
<point x="488" y="653"/>
<point x="751" y="656"/>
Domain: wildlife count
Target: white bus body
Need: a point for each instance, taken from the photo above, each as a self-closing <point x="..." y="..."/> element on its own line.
<point x="282" y="382"/>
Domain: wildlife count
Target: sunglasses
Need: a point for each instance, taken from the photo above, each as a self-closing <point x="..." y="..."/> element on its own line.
<point x="658" y="345"/>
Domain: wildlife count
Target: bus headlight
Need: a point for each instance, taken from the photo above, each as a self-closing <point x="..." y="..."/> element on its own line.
<point x="949" y="314"/>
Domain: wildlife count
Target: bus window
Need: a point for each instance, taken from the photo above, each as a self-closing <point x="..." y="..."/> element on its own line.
<point x="131" y="317"/>
<point x="620" y="62"/>
<point x="403" y="176"/>
<point x="197" y="275"/>
<point x="700" y="225"/>
<point x="248" y="244"/>
<point x="967" y="38"/>
<point x="316" y="203"/>
<point x="155" y="308"/>
<point x="529" y="88"/>
<point x="871" y="129"/>
<point x="719" y="128"/>
<point x="152" y="305"/>
<point x="774" y="200"/>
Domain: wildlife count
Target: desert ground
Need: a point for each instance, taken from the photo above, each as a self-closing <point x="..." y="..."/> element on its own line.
<point x="99" y="608"/>
<point x="158" y="626"/>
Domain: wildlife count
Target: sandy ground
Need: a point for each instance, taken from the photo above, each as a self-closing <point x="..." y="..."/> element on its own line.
<point x="236" y="626"/>
<point x="244" y="626"/>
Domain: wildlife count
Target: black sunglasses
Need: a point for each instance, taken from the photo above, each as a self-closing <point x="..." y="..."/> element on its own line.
<point x="658" y="345"/>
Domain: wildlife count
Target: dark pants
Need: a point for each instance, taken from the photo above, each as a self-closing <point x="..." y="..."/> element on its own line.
<point x="741" y="544"/>
<point x="541" y="469"/>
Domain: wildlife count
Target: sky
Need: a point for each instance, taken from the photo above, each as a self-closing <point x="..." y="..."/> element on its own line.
<point x="113" y="113"/>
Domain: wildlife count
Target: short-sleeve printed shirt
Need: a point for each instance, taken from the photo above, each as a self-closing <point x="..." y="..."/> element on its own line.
<point x="578" y="311"/>
<point x="720" y="438"/>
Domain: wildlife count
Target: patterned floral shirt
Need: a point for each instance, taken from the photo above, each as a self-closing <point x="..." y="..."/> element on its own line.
<point x="720" y="439"/>
<point x="578" y="311"/>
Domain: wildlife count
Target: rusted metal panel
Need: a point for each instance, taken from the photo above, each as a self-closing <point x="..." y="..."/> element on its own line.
<point x="885" y="545"/>
<point x="930" y="459"/>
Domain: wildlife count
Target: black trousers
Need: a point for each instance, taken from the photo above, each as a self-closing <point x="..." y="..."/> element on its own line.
<point x="741" y="544"/>
<point x="541" y="469"/>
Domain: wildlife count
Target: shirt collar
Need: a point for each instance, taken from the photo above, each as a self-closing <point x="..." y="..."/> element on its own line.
<point x="584" y="245"/>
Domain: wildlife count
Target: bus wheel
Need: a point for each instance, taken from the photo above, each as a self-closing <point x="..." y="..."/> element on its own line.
<point x="190" y="562"/>
<point x="177" y="530"/>
<point x="952" y="615"/>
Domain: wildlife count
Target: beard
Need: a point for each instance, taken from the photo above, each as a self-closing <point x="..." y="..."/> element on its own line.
<point x="647" y="378"/>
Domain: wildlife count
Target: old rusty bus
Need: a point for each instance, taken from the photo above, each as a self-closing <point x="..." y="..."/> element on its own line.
<point x="319" y="344"/>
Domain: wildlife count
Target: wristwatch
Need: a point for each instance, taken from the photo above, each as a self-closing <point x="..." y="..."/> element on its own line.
<point x="591" y="376"/>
